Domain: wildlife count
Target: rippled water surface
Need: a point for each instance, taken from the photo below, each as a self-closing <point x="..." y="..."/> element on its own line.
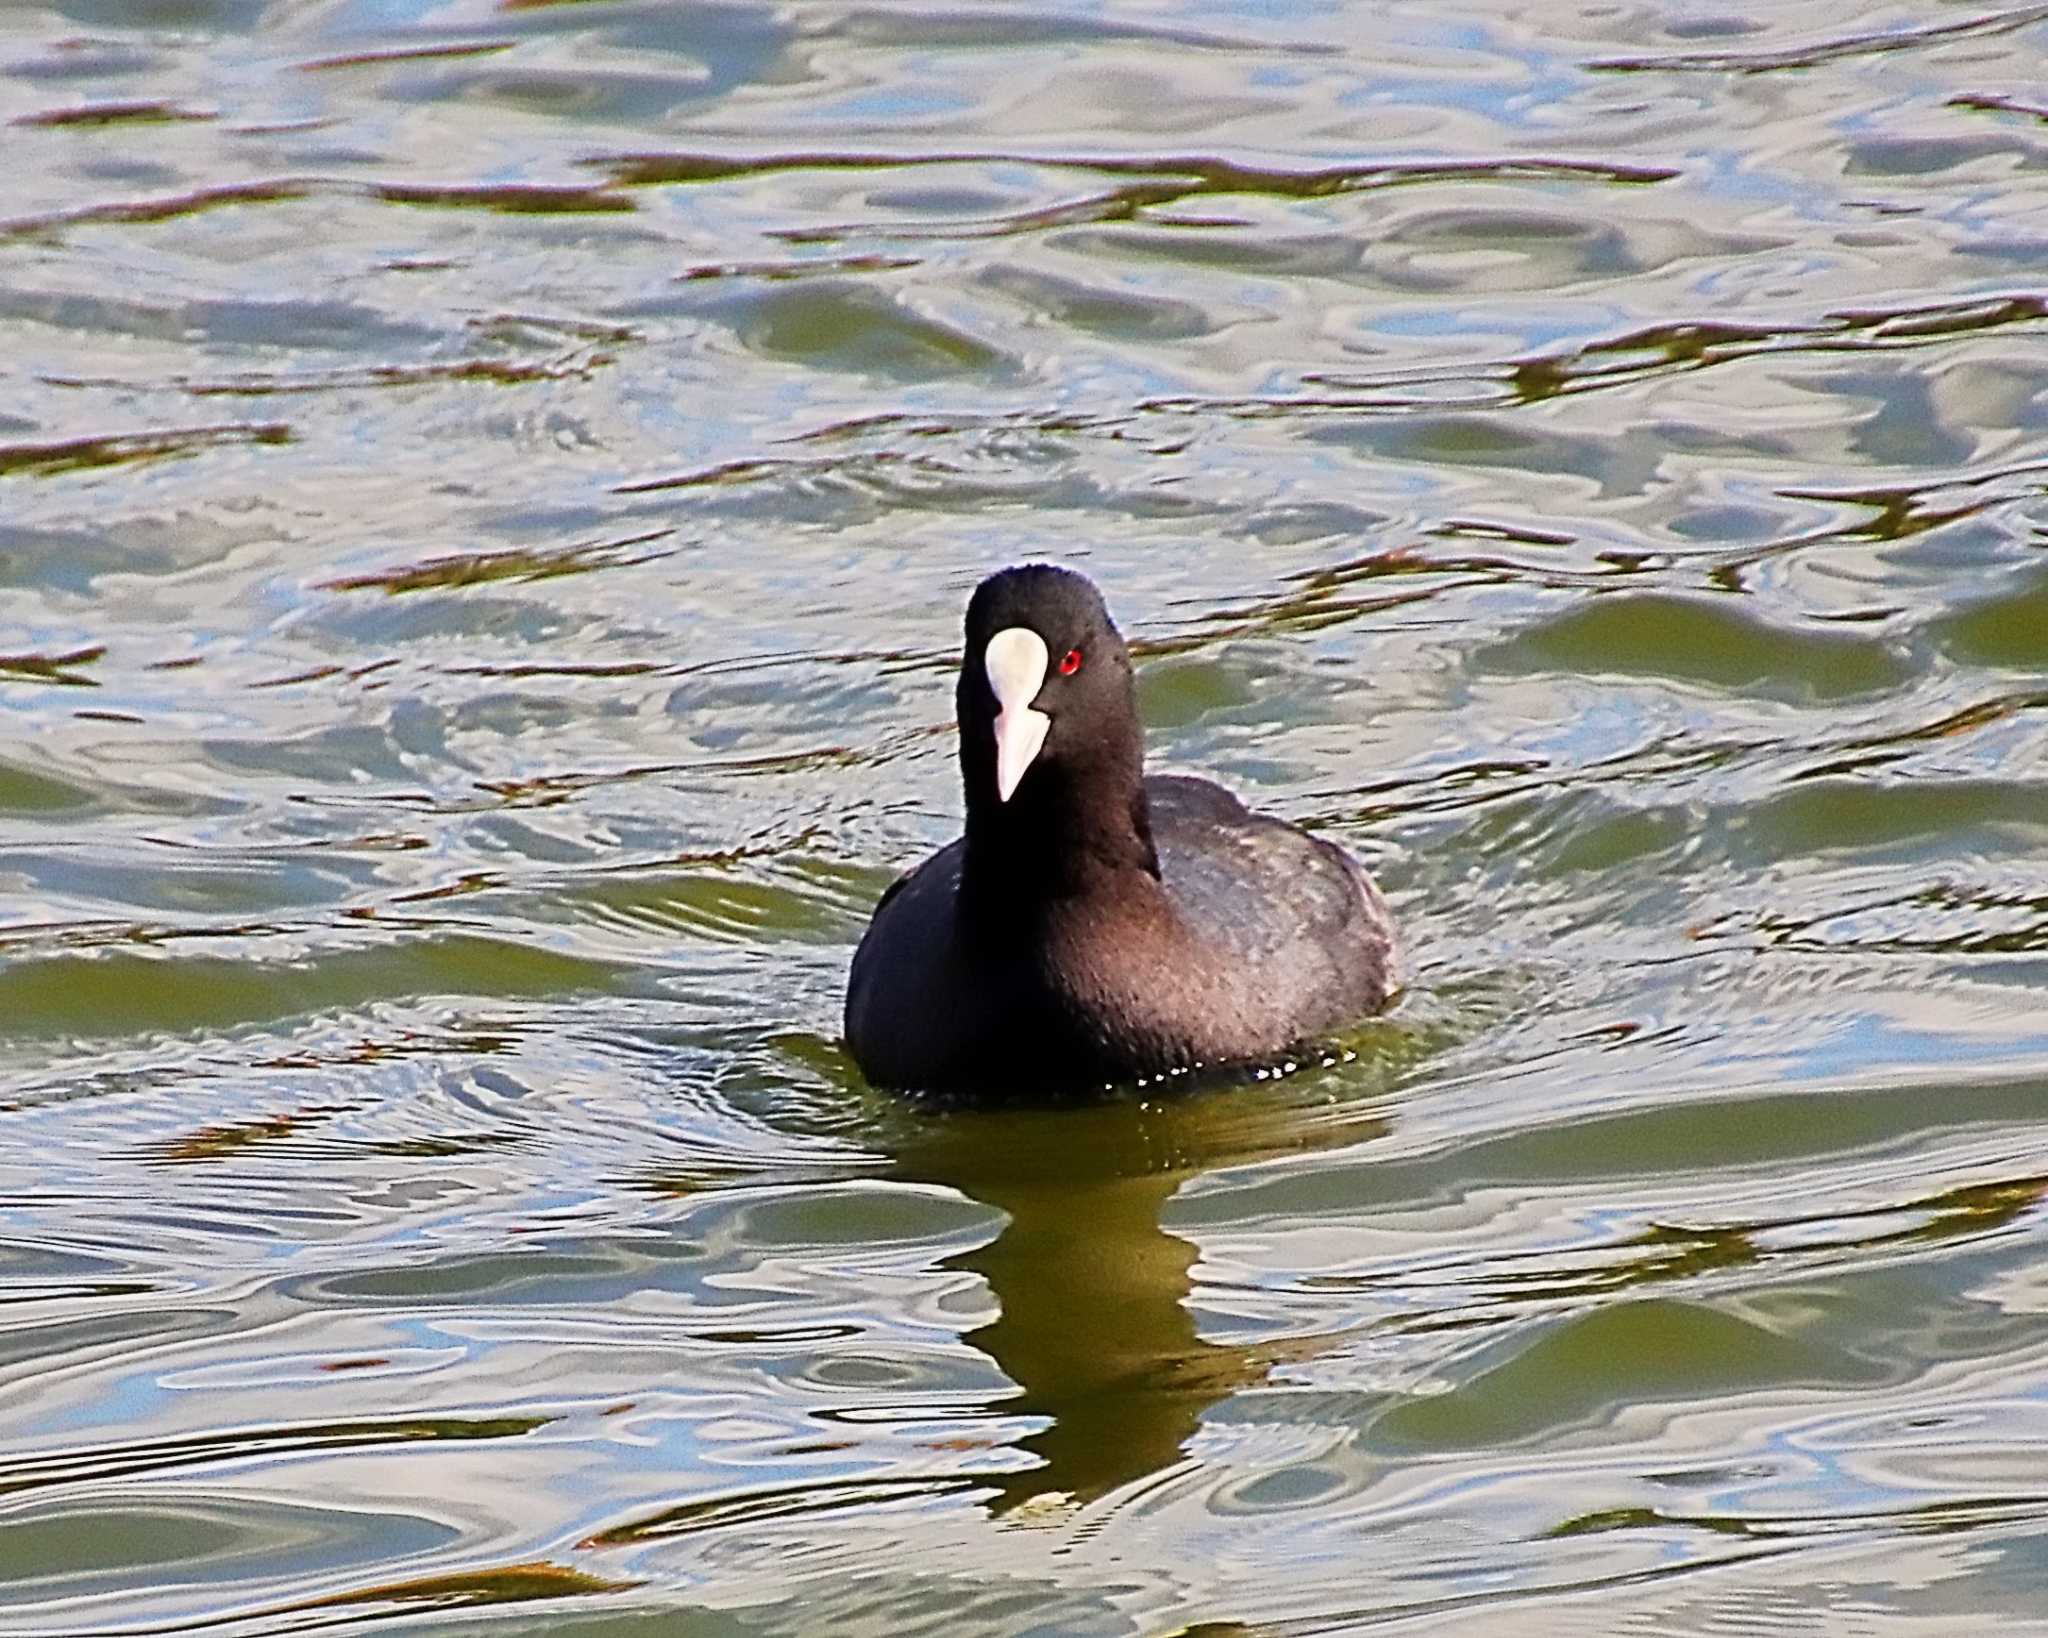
<point x="486" y="497"/>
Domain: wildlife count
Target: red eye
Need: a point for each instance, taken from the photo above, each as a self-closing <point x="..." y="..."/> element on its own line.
<point x="1072" y="662"/>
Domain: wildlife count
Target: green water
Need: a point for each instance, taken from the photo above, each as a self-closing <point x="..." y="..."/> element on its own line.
<point x="487" y="493"/>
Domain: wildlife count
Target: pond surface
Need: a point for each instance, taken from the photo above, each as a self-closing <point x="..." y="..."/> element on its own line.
<point x="487" y="493"/>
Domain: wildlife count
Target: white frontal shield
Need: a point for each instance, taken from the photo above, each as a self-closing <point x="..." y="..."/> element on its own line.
<point x="1016" y="661"/>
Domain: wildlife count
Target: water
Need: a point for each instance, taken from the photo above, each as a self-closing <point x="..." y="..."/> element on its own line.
<point x="486" y="499"/>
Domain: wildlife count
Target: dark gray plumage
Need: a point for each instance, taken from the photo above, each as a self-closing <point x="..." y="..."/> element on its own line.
<point x="1098" y="926"/>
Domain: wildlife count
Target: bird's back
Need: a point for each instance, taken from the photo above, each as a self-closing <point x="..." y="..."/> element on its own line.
<point x="1285" y="937"/>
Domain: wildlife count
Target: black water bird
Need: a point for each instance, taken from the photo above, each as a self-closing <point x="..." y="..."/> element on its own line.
<point x="1094" y="926"/>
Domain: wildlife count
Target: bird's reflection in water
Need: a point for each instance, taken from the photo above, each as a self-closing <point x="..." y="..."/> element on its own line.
<point x="1095" y="1326"/>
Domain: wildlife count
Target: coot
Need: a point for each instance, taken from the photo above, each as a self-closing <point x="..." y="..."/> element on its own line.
<point x="1094" y="926"/>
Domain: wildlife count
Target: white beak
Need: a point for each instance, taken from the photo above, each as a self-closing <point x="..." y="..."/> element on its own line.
<point x="1016" y="661"/>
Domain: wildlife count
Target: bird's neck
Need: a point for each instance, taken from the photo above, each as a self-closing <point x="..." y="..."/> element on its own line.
<point x="1065" y="830"/>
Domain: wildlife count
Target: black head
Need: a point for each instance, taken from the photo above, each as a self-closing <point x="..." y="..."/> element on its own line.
<point x="1050" y="744"/>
